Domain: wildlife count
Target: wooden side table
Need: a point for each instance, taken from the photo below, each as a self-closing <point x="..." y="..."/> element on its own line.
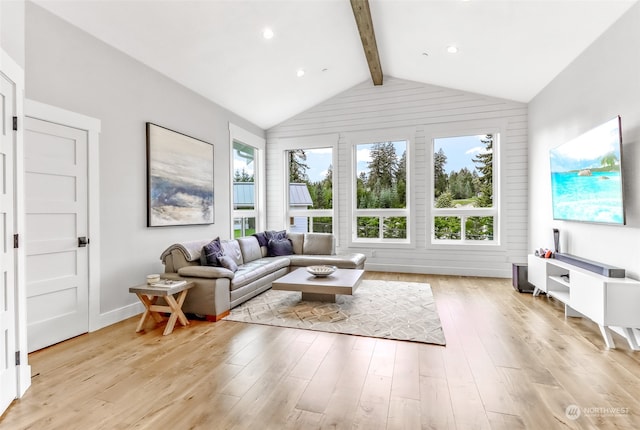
<point x="149" y="296"/>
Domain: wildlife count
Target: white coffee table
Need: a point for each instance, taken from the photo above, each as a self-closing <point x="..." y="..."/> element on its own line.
<point x="320" y="289"/>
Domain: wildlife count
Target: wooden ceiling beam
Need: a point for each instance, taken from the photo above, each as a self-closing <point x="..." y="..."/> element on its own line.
<point x="362" y="13"/>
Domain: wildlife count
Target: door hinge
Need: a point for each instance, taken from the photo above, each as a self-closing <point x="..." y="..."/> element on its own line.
<point x="15" y="123"/>
<point x="16" y="241"/>
<point x="17" y="358"/>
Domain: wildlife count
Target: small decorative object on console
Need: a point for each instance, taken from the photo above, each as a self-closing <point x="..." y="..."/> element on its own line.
<point x="152" y="279"/>
<point x="322" y="270"/>
<point x="556" y="240"/>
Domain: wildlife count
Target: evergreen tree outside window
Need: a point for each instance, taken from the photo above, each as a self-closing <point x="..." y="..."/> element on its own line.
<point x="464" y="190"/>
<point x="381" y="191"/>
<point x="310" y="190"/>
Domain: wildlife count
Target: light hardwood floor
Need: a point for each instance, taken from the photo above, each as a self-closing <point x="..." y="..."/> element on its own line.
<point x="512" y="361"/>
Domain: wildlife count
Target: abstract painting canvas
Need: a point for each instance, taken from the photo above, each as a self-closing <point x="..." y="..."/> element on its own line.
<point x="179" y="179"/>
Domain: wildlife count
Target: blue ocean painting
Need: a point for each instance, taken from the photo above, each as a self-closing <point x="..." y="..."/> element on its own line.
<point x="180" y="179"/>
<point x="595" y="198"/>
<point x="586" y="180"/>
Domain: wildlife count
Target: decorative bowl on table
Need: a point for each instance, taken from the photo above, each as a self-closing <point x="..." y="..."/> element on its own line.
<point x="322" y="270"/>
<point x="152" y="279"/>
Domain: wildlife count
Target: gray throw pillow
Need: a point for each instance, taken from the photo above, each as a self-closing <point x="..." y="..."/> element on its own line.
<point x="228" y="263"/>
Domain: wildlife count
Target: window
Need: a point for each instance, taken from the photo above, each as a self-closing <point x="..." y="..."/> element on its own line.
<point x="381" y="209"/>
<point x="244" y="189"/>
<point x="310" y="188"/>
<point x="247" y="181"/>
<point x="464" y="192"/>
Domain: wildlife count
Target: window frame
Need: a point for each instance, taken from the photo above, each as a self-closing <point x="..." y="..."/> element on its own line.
<point x="311" y="143"/>
<point x="367" y="138"/>
<point x="244" y="137"/>
<point x="470" y="128"/>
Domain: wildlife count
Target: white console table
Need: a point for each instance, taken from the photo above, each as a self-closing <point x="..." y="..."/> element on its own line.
<point x="609" y="302"/>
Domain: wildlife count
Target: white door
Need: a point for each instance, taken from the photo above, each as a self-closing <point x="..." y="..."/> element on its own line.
<point x="8" y="376"/>
<point x="57" y="273"/>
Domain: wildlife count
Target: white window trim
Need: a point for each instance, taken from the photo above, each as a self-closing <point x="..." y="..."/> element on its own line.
<point x="468" y="128"/>
<point x="309" y="143"/>
<point x="388" y="135"/>
<point x="239" y="134"/>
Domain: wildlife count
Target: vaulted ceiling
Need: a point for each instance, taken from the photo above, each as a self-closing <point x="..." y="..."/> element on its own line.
<point x="506" y="48"/>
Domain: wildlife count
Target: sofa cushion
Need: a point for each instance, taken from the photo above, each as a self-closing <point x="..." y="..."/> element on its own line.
<point x="228" y="263"/>
<point x="318" y="244"/>
<point x="296" y="240"/>
<point x="279" y="247"/>
<point x="205" y="272"/>
<point x="210" y="253"/>
<point x="342" y="261"/>
<point x="257" y="269"/>
<point x="232" y="249"/>
<point x="250" y="248"/>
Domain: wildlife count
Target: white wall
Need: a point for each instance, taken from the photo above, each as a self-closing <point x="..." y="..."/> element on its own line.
<point x="12" y="29"/>
<point x="68" y="68"/>
<point x="422" y="109"/>
<point x="604" y="81"/>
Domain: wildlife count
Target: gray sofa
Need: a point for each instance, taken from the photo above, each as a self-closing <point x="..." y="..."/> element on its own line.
<point x="217" y="289"/>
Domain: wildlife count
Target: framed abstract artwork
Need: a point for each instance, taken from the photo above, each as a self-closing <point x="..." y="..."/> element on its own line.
<point x="179" y="179"/>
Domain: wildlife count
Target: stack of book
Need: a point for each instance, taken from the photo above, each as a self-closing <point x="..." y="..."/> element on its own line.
<point x="167" y="283"/>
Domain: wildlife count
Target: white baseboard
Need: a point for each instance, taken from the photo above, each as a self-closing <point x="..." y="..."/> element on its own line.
<point x="117" y="315"/>
<point x="452" y="271"/>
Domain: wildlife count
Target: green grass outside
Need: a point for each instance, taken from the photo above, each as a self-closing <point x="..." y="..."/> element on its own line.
<point x="464" y="202"/>
<point x="247" y="232"/>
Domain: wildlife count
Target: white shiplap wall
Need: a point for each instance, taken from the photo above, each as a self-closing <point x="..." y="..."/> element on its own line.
<point x="422" y="109"/>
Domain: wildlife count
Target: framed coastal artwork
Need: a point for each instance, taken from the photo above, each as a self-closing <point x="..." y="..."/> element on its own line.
<point x="179" y="179"/>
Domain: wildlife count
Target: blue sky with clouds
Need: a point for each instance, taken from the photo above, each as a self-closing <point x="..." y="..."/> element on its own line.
<point x="460" y="151"/>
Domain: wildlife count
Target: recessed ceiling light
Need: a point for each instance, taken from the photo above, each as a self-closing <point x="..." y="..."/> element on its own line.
<point x="300" y="73"/>
<point x="267" y="33"/>
<point x="452" y="49"/>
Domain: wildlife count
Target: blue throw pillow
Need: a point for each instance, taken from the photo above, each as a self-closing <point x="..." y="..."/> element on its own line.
<point x="211" y="252"/>
<point x="279" y="247"/>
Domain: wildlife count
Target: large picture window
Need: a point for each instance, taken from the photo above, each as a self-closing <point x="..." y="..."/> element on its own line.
<point x="310" y="188"/>
<point x="464" y="189"/>
<point x="381" y="212"/>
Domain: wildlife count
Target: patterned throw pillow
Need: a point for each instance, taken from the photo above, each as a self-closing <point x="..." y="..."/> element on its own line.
<point x="277" y="235"/>
<point x="211" y="252"/>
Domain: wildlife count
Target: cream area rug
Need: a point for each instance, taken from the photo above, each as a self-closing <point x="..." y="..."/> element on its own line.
<point x="385" y="309"/>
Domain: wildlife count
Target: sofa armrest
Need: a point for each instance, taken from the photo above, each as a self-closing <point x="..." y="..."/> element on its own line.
<point x="205" y="272"/>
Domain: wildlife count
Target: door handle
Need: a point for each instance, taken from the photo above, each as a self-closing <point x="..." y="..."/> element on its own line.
<point x="82" y="242"/>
